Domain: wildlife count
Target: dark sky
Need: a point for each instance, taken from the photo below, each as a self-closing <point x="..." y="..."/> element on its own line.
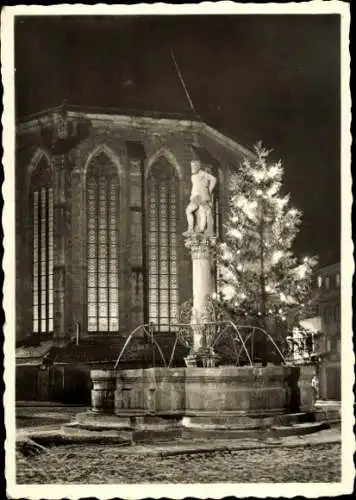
<point x="269" y="77"/>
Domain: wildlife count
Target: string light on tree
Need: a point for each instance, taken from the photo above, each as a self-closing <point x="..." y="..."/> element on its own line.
<point x="266" y="279"/>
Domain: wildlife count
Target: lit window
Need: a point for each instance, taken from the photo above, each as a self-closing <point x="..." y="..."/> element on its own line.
<point x="42" y="248"/>
<point x="320" y="281"/>
<point x="102" y="246"/>
<point x="337" y="279"/>
<point x="162" y="245"/>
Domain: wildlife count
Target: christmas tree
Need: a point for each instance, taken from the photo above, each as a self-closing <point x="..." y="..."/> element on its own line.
<point x="260" y="280"/>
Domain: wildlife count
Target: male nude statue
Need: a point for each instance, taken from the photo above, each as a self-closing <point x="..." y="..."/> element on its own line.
<point x="200" y="201"/>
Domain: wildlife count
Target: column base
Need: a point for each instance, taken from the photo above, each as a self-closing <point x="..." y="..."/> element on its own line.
<point x="191" y="360"/>
<point x="204" y="357"/>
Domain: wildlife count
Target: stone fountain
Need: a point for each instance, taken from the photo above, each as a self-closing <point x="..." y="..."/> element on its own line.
<point x="202" y="398"/>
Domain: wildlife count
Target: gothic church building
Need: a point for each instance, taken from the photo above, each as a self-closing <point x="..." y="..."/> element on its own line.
<point x="100" y="212"/>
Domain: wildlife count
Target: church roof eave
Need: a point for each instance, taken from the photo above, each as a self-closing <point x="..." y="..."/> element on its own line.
<point x="134" y="119"/>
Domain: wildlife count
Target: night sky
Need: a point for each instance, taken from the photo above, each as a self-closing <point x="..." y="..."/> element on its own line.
<point x="274" y="78"/>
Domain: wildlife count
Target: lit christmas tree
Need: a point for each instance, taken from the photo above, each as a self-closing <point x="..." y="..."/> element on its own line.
<point x="260" y="280"/>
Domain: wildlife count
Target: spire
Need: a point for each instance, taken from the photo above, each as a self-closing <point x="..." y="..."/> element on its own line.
<point x="180" y="76"/>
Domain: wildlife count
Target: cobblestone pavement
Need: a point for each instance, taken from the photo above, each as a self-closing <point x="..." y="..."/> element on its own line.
<point x="109" y="464"/>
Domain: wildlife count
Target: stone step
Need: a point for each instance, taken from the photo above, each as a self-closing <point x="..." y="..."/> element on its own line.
<point x="146" y="436"/>
<point x="296" y="429"/>
<point x="327" y="403"/>
<point x="294" y="418"/>
<point x="299" y="429"/>
<point x="94" y="421"/>
<point x="220" y="434"/>
<point x="152" y="429"/>
<point x="72" y="435"/>
<point x="138" y="429"/>
<point x="73" y="427"/>
<point x="331" y="415"/>
<point x="237" y="422"/>
<point x="242" y="422"/>
<point x="132" y="412"/>
<point x="137" y="435"/>
<point x="76" y="433"/>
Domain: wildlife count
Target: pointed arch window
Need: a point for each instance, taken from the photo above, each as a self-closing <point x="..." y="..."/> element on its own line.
<point x="163" y="192"/>
<point x="102" y="246"/>
<point x="42" y="247"/>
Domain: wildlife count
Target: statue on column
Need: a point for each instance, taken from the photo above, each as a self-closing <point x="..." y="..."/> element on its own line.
<point x="199" y="211"/>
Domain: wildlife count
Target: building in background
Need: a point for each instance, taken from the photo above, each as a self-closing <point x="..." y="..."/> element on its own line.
<point x="100" y="212"/>
<point x="323" y="321"/>
<point x="328" y="282"/>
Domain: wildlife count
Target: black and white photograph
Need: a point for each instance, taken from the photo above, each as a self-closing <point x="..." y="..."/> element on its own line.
<point x="178" y="255"/>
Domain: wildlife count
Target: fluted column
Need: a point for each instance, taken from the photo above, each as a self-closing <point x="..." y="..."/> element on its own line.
<point x="201" y="247"/>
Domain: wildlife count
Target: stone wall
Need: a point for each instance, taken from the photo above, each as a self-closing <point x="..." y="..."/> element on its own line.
<point x="66" y="385"/>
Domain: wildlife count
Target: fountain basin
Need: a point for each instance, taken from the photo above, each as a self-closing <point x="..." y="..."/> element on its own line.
<point x="102" y="393"/>
<point x="222" y="393"/>
<point x="247" y="390"/>
<point x="159" y="391"/>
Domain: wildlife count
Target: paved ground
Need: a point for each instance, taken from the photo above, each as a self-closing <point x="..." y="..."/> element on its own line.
<point x="30" y="415"/>
<point x="311" y="458"/>
<point x="107" y="464"/>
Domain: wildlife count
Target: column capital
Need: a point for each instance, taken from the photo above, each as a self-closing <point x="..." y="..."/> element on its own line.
<point x="200" y="245"/>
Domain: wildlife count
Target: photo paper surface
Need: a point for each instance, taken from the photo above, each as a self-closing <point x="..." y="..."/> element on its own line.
<point x="177" y="250"/>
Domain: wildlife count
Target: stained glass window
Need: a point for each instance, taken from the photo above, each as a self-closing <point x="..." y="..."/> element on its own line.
<point x="42" y="248"/>
<point x="162" y="245"/>
<point x="102" y="246"/>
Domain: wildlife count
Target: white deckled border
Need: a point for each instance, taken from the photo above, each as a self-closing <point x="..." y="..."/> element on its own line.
<point x="347" y="266"/>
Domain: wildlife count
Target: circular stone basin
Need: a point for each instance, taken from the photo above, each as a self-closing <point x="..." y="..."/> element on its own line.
<point x="250" y="391"/>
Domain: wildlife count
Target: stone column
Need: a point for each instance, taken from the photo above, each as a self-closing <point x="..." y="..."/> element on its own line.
<point x="60" y="216"/>
<point x="62" y="135"/>
<point x="201" y="247"/>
